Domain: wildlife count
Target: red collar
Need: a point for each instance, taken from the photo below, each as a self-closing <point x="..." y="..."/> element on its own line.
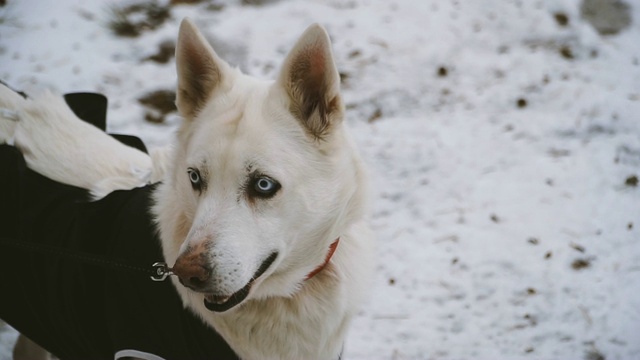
<point x="332" y="249"/>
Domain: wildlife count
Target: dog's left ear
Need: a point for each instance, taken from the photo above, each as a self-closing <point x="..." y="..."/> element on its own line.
<point x="310" y="78"/>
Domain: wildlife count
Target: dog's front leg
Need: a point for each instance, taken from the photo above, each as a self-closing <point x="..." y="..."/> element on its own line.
<point x="60" y="146"/>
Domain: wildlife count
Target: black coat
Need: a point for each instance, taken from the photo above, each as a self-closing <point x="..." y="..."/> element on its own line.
<point x="80" y="311"/>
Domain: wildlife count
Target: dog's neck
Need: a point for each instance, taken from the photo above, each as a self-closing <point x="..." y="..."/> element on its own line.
<point x="332" y="250"/>
<point x="310" y="324"/>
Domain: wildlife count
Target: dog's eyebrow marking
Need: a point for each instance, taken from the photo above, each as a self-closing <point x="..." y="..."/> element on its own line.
<point x="249" y="167"/>
<point x="203" y="165"/>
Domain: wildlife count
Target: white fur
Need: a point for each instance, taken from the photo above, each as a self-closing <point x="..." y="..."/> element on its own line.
<point x="245" y="123"/>
<point x="10" y="102"/>
<point x="57" y="144"/>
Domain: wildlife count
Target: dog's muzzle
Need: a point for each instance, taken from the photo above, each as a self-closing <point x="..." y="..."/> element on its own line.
<point x="222" y="303"/>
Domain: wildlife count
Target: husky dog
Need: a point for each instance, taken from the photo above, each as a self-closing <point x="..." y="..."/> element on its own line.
<point x="264" y="182"/>
<point x="262" y="207"/>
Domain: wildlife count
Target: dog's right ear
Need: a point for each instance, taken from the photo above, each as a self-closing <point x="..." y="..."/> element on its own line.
<point x="200" y="70"/>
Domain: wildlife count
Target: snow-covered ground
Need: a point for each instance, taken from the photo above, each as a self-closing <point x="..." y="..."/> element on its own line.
<point x="503" y="139"/>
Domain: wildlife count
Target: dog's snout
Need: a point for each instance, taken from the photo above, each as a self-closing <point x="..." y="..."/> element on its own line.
<point x="193" y="270"/>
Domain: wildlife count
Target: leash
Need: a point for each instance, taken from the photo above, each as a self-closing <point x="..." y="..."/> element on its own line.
<point x="159" y="271"/>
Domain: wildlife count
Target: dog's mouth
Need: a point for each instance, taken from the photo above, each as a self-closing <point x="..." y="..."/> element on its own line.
<point x="217" y="303"/>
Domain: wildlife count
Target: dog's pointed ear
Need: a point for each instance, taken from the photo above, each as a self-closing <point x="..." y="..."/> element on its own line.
<point x="310" y="78"/>
<point x="200" y="70"/>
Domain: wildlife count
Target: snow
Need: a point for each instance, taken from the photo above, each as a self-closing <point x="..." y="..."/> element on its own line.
<point x="499" y="142"/>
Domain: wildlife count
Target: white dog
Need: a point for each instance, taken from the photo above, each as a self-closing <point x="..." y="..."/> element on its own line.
<point x="262" y="210"/>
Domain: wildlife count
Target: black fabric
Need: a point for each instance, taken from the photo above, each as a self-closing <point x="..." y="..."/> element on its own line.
<point x="131" y="140"/>
<point x="79" y="311"/>
<point x="90" y="107"/>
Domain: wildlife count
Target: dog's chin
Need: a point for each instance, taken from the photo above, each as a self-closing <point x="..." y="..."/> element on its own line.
<point x="221" y="303"/>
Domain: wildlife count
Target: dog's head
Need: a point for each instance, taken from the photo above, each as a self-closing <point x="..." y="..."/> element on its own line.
<point x="264" y="176"/>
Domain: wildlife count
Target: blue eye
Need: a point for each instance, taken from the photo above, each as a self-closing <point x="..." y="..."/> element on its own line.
<point x="194" y="177"/>
<point x="263" y="187"/>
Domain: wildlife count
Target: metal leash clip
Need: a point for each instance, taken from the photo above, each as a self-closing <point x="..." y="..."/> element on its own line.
<point x="162" y="271"/>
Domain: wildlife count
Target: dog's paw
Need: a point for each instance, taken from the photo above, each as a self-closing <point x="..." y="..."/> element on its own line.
<point x="62" y="147"/>
<point x="107" y="186"/>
